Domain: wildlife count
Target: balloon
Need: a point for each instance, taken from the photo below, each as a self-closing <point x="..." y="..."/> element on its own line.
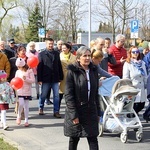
<point x="32" y="61"/>
<point x="16" y="83"/>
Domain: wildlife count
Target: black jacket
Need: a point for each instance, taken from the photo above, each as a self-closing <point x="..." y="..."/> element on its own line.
<point x="9" y="53"/>
<point x="77" y="103"/>
<point x="49" y="69"/>
<point x="13" y="67"/>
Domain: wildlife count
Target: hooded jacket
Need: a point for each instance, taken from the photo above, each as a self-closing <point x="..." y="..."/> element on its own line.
<point x="78" y="105"/>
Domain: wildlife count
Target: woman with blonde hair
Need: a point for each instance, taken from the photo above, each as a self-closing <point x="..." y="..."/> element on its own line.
<point x="97" y="57"/>
<point x="66" y="58"/>
<point x="31" y="51"/>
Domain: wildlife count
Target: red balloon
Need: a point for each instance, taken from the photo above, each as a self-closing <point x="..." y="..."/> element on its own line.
<point x="32" y="61"/>
<point x="16" y="83"/>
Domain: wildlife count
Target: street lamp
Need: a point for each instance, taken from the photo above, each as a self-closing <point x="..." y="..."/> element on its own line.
<point x="89" y="23"/>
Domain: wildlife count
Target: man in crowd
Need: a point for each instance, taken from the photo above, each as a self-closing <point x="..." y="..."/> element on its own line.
<point x="8" y="53"/>
<point x="59" y="46"/>
<point x="99" y="45"/>
<point x="11" y="45"/>
<point x="49" y="74"/>
<point x="120" y="54"/>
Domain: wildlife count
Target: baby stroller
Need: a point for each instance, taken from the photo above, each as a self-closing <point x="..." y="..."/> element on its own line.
<point x="119" y="115"/>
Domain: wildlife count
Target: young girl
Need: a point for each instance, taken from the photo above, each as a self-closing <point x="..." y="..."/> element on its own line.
<point x="24" y="93"/>
<point x="6" y="97"/>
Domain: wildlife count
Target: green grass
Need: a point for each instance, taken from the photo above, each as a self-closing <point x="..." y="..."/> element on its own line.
<point x="5" y="146"/>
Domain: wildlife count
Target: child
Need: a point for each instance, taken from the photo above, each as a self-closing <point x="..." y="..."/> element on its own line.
<point x="6" y="96"/>
<point x="24" y="93"/>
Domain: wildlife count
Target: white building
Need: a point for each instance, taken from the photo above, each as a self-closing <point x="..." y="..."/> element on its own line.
<point x="82" y="38"/>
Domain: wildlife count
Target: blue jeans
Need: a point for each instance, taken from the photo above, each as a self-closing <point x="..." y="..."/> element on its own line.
<point x="44" y="91"/>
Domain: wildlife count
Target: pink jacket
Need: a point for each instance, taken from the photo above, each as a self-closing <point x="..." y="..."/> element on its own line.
<point x="29" y="54"/>
<point x="26" y="89"/>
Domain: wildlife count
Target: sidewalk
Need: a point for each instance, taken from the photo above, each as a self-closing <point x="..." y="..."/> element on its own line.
<point x="46" y="133"/>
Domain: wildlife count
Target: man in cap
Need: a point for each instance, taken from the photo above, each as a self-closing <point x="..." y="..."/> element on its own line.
<point x="11" y="45"/>
<point x="8" y="53"/>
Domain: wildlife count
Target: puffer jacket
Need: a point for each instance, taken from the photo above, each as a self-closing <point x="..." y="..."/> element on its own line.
<point x="6" y="93"/>
<point x="78" y="105"/>
<point x="27" y="83"/>
<point x="4" y="63"/>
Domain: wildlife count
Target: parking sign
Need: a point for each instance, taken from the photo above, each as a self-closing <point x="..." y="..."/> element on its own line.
<point x="134" y="28"/>
<point x="41" y="32"/>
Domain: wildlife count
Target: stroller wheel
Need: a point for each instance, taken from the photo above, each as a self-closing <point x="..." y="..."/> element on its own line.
<point x="123" y="137"/>
<point x="101" y="130"/>
<point x="139" y="136"/>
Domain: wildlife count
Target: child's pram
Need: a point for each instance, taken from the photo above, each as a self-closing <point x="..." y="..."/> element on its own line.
<point x="119" y="115"/>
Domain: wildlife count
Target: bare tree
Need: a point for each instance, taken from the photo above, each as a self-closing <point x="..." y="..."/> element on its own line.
<point x="6" y="6"/>
<point x="125" y="12"/>
<point x="143" y="13"/>
<point x="105" y="11"/>
<point x="69" y="15"/>
<point x="116" y="12"/>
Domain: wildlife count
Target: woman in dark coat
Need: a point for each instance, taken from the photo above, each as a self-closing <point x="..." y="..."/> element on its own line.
<point x="82" y="104"/>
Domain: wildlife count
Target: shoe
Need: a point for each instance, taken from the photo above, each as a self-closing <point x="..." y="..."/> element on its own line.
<point x="6" y="127"/>
<point x="18" y="121"/>
<point x="30" y="98"/>
<point x="37" y="96"/>
<point x="57" y="115"/>
<point x="26" y="124"/>
<point x="48" y="102"/>
<point x="41" y="112"/>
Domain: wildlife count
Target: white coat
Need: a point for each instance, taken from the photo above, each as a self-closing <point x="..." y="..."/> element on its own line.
<point x="138" y="80"/>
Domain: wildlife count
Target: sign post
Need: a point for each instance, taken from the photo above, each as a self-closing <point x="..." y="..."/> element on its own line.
<point x="134" y="30"/>
<point x="41" y="33"/>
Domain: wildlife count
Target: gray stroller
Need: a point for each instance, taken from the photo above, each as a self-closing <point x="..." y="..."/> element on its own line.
<point x="119" y="115"/>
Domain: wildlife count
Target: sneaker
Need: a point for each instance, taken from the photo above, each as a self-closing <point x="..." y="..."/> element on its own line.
<point x="18" y="121"/>
<point x="6" y="127"/>
<point x="57" y="115"/>
<point x="41" y="112"/>
<point x="26" y="124"/>
<point x="30" y="98"/>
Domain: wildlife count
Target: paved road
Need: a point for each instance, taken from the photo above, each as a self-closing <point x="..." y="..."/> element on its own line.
<point x="46" y="133"/>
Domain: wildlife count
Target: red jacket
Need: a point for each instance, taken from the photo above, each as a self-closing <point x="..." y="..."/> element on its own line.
<point x="118" y="53"/>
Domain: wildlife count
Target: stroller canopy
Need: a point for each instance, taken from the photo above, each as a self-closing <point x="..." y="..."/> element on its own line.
<point x="124" y="87"/>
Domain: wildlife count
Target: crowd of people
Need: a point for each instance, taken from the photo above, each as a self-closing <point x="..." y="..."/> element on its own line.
<point x="74" y="77"/>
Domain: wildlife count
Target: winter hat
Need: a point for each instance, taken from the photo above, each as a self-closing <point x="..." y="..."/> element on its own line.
<point x="145" y="45"/>
<point x="140" y="49"/>
<point x="20" y="62"/>
<point x="3" y="74"/>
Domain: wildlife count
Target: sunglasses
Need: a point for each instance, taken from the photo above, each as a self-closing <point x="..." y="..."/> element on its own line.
<point x="136" y="52"/>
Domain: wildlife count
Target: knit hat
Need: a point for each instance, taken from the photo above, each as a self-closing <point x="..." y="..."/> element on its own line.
<point x="140" y="49"/>
<point x="20" y="62"/>
<point x="3" y="74"/>
<point x="145" y="45"/>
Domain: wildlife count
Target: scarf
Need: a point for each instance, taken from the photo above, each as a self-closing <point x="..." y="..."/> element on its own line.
<point x="33" y="51"/>
<point x="138" y="64"/>
<point x="66" y="56"/>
